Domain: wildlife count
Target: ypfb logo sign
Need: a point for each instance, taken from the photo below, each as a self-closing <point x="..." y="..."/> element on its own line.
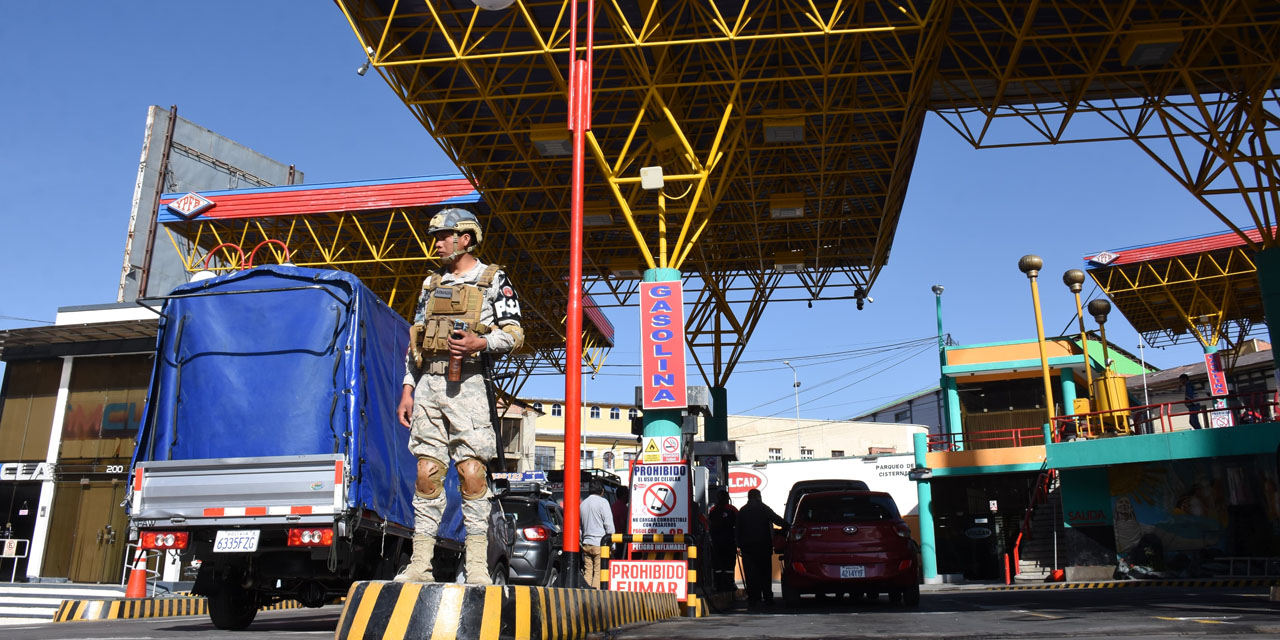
<point x="744" y="480"/>
<point x="662" y="345"/>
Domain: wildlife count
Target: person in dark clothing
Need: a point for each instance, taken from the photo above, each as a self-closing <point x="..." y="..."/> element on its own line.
<point x="621" y="519"/>
<point x="755" y="539"/>
<point x="1189" y="394"/>
<point x="724" y="518"/>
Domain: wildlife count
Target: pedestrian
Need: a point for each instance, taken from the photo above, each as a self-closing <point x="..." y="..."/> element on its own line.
<point x="755" y="538"/>
<point x="596" y="522"/>
<point x="466" y="308"/>
<point x="1189" y="394"/>
<point x="621" y="518"/>
<point x="723" y="520"/>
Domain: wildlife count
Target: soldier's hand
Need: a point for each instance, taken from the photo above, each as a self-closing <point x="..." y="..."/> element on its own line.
<point x="405" y="410"/>
<point x="462" y="344"/>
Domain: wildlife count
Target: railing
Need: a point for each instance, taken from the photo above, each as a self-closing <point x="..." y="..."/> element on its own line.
<point x="993" y="439"/>
<point x="1243" y="408"/>
<point x="1039" y="494"/>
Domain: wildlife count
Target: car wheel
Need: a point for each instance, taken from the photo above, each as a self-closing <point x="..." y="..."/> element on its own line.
<point x="498" y="575"/>
<point x="911" y="597"/>
<point x="790" y="597"/>
<point x="553" y="577"/>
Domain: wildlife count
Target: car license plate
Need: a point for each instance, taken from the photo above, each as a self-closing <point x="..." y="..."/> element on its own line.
<point x="853" y="571"/>
<point x="237" y="541"/>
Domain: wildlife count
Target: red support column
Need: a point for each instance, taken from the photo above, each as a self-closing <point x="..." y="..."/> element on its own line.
<point x="579" y="123"/>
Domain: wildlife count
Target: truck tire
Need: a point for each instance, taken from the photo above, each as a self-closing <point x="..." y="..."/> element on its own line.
<point x="233" y="608"/>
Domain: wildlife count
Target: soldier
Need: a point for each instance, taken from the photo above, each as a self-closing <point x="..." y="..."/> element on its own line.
<point x="467" y="307"/>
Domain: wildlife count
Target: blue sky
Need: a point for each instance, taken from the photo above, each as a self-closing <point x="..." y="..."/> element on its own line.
<point x="280" y="77"/>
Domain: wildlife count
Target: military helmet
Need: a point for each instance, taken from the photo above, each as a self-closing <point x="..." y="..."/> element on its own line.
<point x="457" y="220"/>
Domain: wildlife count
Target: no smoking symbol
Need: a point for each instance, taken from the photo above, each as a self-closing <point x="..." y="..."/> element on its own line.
<point x="670" y="445"/>
<point x="660" y="499"/>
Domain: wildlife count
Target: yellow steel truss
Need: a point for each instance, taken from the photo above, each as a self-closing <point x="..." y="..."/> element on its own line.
<point x="702" y="88"/>
<point x="1202" y="295"/>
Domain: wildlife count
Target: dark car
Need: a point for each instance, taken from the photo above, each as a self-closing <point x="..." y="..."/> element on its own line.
<point x="850" y="542"/>
<point x="539" y="530"/>
<point x="805" y="487"/>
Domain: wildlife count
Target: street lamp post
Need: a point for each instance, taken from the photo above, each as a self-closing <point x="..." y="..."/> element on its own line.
<point x="1031" y="265"/>
<point x="795" y="385"/>
<point x="1099" y="308"/>
<point x="1074" y="279"/>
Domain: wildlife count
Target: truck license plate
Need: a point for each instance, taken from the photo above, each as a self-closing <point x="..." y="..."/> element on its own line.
<point x="853" y="571"/>
<point x="237" y="541"/>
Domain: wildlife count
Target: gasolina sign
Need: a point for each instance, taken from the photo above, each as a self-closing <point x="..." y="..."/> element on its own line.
<point x="662" y="345"/>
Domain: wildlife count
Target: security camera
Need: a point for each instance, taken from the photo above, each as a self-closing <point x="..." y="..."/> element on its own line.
<point x="360" y="71"/>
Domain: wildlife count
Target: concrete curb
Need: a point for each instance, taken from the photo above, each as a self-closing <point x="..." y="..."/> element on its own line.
<point x="125" y="608"/>
<point x="1109" y="584"/>
<point x="414" y="610"/>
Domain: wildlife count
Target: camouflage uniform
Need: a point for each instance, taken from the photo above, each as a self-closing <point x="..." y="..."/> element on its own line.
<point x="451" y="419"/>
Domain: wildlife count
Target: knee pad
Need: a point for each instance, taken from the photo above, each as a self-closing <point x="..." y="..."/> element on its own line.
<point x="430" y="477"/>
<point x="473" y="483"/>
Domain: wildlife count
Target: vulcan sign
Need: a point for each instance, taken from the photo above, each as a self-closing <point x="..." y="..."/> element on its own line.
<point x="662" y="345"/>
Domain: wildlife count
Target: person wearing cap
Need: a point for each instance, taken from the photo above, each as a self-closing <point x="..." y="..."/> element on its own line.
<point x="466" y="308"/>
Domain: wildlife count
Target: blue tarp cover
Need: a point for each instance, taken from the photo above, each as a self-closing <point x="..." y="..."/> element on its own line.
<point x="298" y="362"/>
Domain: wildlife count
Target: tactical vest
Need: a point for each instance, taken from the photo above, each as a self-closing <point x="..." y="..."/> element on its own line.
<point x="447" y="304"/>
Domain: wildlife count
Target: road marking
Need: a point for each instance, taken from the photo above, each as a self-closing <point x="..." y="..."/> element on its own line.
<point x="1201" y="620"/>
<point x="1039" y="615"/>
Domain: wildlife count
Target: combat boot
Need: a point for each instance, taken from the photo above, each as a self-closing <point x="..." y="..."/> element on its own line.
<point x="419" y="569"/>
<point x="477" y="562"/>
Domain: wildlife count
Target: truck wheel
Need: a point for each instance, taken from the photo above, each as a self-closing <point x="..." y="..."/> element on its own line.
<point x="233" y="608"/>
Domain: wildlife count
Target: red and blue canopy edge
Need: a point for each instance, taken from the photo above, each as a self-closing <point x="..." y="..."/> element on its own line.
<point x="1170" y="249"/>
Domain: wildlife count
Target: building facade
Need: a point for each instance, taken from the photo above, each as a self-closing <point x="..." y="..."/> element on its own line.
<point x="607" y="441"/>
<point x="772" y="439"/>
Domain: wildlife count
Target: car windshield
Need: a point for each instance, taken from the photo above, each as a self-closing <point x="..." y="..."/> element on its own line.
<point x="526" y="512"/>
<point x="847" y="508"/>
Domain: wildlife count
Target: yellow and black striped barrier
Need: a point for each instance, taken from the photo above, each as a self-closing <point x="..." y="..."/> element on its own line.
<point x="1122" y="584"/>
<point x="130" y="608"/>
<point x="693" y="606"/>
<point x="394" y="610"/>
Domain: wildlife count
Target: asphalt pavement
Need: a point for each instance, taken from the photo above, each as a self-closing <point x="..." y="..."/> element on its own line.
<point x="1154" y="612"/>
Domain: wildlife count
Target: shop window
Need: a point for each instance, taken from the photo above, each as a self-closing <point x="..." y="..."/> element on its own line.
<point x="105" y="399"/>
<point x="544" y="458"/>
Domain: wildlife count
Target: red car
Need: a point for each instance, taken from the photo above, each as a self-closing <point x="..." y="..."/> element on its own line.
<point x="852" y="542"/>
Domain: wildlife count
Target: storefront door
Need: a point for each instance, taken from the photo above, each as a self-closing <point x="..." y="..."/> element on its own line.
<point x="98" y="541"/>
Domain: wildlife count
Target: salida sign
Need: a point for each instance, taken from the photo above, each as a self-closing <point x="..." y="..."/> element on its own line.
<point x="650" y="576"/>
<point x="744" y="480"/>
<point x="662" y="345"/>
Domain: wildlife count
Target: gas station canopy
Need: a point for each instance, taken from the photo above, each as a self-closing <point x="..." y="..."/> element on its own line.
<point x="1200" y="287"/>
<point x="786" y="131"/>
